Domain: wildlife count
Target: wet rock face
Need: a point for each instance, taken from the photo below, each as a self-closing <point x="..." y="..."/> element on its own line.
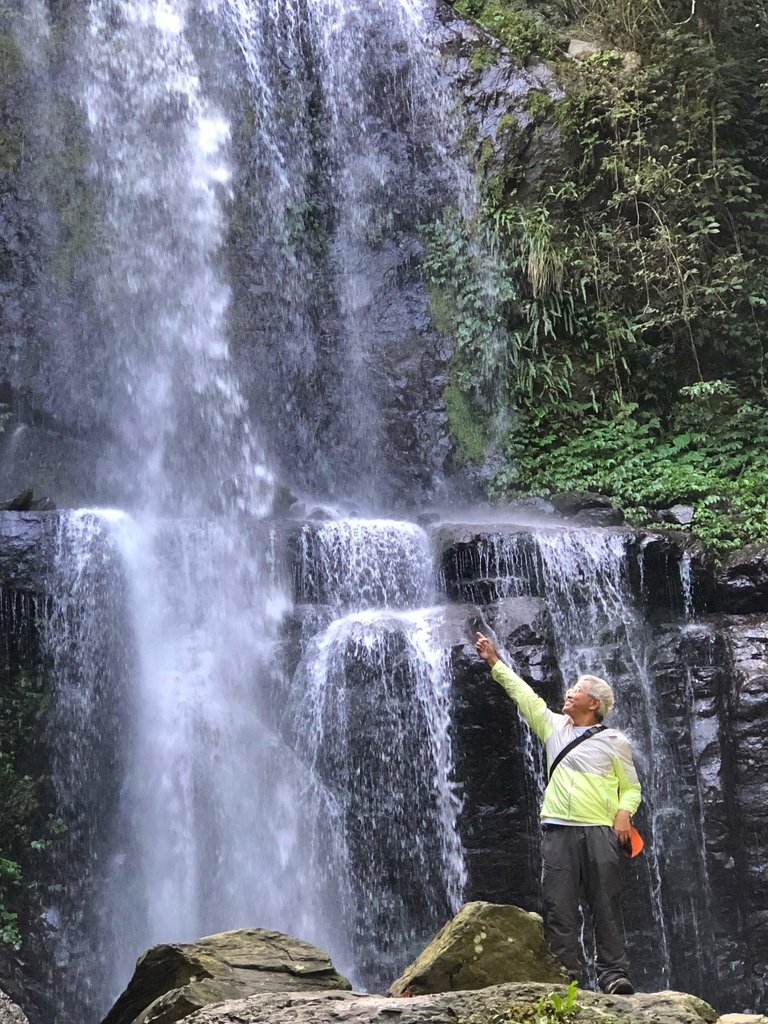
<point x="498" y="824"/>
<point x="495" y="94"/>
<point x="747" y="717"/>
<point x="26" y="549"/>
<point x="742" y="583"/>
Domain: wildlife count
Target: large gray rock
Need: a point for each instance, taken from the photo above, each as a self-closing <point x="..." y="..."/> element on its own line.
<point x="172" y="981"/>
<point x="496" y="1003"/>
<point x="484" y="944"/>
<point x="496" y="94"/>
<point x="10" y="1012"/>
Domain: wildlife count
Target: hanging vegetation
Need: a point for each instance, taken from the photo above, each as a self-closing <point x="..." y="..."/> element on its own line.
<point x="636" y="278"/>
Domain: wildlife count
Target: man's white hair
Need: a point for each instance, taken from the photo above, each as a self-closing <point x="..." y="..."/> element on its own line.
<point x="598" y="690"/>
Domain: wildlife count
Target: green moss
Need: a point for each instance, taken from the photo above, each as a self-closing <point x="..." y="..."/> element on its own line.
<point x="11" y="61"/>
<point x="539" y="104"/>
<point x="486" y="154"/>
<point x="482" y="58"/>
<point x="442" y="308"/>
<point x="64" y="175"/>
<point x="466" y="425"/>
<point x="11" y="146"/>
<point x="11" y="134"/>
<point x="508" y="123"/>
<point x="80" y="223"/>
<point x="522" y="32"/>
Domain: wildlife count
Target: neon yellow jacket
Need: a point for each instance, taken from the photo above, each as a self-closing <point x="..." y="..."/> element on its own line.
<point x="592" y="783"/>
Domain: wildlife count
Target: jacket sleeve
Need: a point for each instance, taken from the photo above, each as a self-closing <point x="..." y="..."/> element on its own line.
<point x="532" y="706"/>
<point x="630" y="793"/>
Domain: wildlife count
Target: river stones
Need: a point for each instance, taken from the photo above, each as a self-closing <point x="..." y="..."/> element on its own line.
<point x="172" y="981"/>
<point x="484" y="944"/>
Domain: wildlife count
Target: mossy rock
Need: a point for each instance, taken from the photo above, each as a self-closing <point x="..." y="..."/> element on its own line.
<point x="484" y="944"/>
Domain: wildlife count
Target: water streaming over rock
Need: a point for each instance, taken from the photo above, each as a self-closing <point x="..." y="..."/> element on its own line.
<point x="371" y="715"/>
<point x="350" y="135"/>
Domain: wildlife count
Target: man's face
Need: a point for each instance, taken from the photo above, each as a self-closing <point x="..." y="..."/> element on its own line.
<point x="578" y="702"/>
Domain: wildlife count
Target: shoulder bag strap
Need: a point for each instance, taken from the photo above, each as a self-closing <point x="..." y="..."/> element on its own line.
<point x="573" y="744"/>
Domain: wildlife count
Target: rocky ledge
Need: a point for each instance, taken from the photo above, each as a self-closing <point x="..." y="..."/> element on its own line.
<point x="499" y="1002"/>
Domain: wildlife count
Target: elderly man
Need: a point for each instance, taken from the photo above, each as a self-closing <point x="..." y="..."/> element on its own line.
<point x="591" y="793"/>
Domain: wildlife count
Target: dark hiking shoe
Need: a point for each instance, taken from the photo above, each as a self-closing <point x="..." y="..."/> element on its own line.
<point x="618" y="985"/>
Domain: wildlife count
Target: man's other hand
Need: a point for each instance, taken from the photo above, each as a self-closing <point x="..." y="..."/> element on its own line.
<point x="486" y="650"/>
<point x="622" y="823"/>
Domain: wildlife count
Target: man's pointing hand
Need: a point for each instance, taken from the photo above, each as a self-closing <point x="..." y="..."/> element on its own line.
<point x="486" y="650"/>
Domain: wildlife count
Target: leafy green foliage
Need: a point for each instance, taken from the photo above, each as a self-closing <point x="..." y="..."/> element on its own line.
<point x="554" y="1008"/>
<point x="519" y="29"/>
<point x="471" y="294"/>
<point x="637" y="268"/>
<point x="714" y="455"/>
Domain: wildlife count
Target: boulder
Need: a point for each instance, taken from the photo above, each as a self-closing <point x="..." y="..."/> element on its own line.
<point x="484" y="944"/>
<point x="172" y="981"/>
<point x="587" y="508"/>
<point x="499" y="1002"/>
<point x="679" y="515"/>
<point x="10" y="1012"/>
<point x="742" y="583"/>
<point x="580" y="48"/>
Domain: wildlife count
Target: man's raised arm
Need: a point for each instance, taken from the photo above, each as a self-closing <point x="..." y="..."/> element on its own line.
<point x="532" y="707"/>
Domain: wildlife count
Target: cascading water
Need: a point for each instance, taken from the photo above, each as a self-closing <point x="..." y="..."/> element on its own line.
<point x="159" y="163"/>
<point x="371" y="716"/>
<point x="350" y="136"/>
<point x="326" y="146"/>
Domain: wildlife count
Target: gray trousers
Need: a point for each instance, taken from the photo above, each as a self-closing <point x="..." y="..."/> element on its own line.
<point x="584" y="860"/>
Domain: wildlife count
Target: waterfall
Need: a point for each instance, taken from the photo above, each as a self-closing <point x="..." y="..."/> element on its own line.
<point x="358" y="564"/>
<point x="210" y="813"/>
<point x="370" y="714"/>
<point x="159" y="162"/>
<point x="255" y="176"/>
